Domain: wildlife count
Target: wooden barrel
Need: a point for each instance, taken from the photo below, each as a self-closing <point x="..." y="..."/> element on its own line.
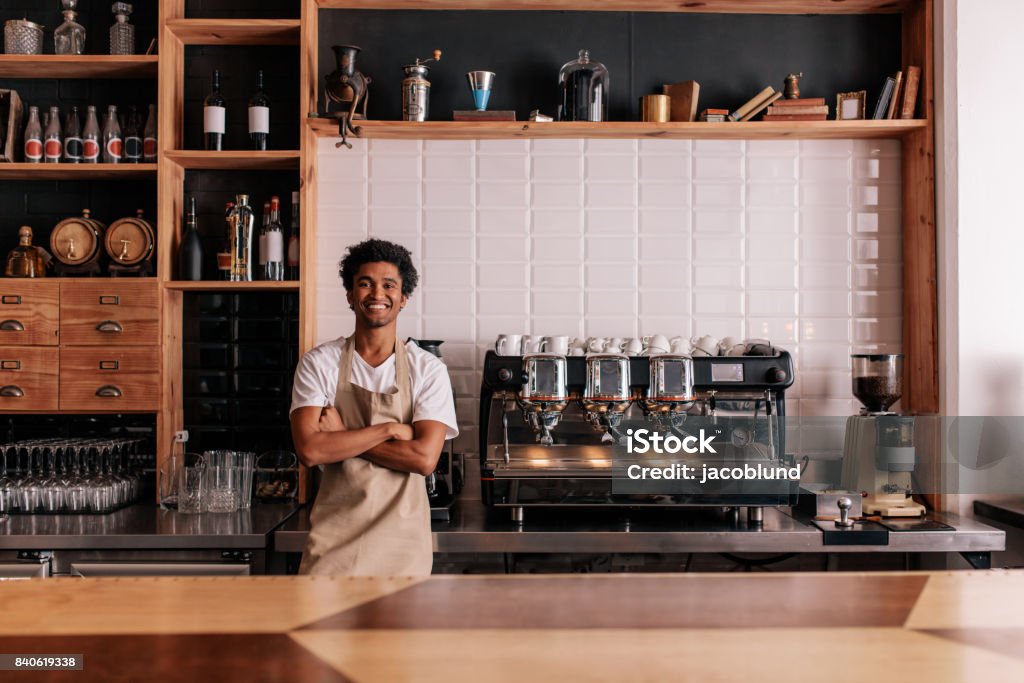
<point x="130" y="241"/>
<point x="76" y="241"/>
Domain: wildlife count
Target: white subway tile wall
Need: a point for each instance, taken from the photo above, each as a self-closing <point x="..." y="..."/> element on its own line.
<point x="794" y="241"/>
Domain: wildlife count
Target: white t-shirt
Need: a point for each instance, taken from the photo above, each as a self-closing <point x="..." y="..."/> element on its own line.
<point x="316" y="379"/>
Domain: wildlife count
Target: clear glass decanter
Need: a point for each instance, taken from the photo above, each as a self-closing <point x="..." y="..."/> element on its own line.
<point x="584" y="85"/>
<point x="122" y="34"/>
<point x="69" y="37"/>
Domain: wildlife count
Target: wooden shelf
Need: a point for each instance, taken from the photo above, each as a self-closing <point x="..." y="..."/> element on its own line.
<point x="221" y="286"/>
<point x="240" y="160"/>
<point x="236" y="31"/>
<point x="704" y="6"/>
<point x="76" y="171"/>
<point x="751" y="130"/>
<point x="78" y="66"/>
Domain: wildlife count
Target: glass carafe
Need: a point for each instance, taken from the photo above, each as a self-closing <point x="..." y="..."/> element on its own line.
<point x="69" y="37"/>
<point x="584" y="86"/>
<point x="122" y="34"/>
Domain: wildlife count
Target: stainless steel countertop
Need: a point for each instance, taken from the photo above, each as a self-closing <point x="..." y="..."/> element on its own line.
<point x="145" y="527"/>
<point x="477" y="529"/>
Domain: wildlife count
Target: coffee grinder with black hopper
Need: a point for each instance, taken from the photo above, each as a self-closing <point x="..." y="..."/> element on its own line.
<point x="878" y="454"/>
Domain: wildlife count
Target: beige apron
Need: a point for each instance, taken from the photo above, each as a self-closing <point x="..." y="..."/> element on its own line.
<point x="369" y="520"/>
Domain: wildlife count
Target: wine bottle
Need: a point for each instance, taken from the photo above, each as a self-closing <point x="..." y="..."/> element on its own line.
<point x="53" y="144"/>
<point x="113" y="143"/>
<point x="72" y="137"/>
<point x="132" y="138"/>
<point x="33" y="137"/>
<point x="273" y="242"/>
<point x="91" y="138"/>
<point x="259" y="116"/>
<point x="149" y="137"/>
<point x="214" y="114"/>
<point x="261" y="240"/>
<point x="190" y="253"/>
<point x="293" y="240"/>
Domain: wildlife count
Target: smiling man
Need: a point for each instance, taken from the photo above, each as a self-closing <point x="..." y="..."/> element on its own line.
<point x="374" y="414"/>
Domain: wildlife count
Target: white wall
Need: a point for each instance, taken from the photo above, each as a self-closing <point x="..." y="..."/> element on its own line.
<point x="796" y="241"/>
<point x="989" y="222"/>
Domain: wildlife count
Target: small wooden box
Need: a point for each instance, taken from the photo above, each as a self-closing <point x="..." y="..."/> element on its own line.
<point x="10" y="126"/>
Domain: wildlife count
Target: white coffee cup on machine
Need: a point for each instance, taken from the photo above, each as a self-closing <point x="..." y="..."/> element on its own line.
<point x="558" y="345"/>
<point x="509" y="345"/>
<point x="634" y="346"/>
<point x="679" y="346"/>
<point x="656" y="344"/>
<point x="704" y="346"/>
<point x="730" y="346"/>
<point x="531" y="344"/>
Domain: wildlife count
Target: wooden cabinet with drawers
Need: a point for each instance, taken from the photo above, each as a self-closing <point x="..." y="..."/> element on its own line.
<point x="79" y="345"/>
<point x="28" y="378"/>
<point x="29" y="312"/>
<point x="120" y="378"/>
<point x="100" y="313"/>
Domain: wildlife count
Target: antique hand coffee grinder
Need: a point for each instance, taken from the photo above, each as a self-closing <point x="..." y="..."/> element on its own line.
<point x="346" y="87"/>
<point x="879" y="455"/>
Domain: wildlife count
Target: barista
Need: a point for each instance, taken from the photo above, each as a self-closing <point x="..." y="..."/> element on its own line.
<point x="373" y="413"/>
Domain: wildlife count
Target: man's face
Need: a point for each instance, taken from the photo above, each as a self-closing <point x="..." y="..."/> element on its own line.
<point x="376" y="295"/>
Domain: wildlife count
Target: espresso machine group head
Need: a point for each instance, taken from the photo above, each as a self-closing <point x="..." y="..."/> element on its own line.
<point x="544" y="393"/>
<point x="607" y="394"/>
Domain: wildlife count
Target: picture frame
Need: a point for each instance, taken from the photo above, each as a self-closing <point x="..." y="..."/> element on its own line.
<point x="851" y="106"/>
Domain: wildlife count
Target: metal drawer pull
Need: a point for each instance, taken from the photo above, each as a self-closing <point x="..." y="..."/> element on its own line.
<point x="11" y="299"/>
<point x="108" y="391"/>
<point x="12" y="391"/>
<point x="110" y="300"/>
<point x="110" y="326"/>
<point x="10" y="365"/>
<point x="109" y="365"/>
<point x="12" y="326"/>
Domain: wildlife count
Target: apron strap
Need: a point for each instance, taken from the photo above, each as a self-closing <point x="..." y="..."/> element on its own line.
<point x="345" y="366"/>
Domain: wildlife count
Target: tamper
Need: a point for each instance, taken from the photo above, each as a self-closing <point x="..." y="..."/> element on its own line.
<point x="844" y="512"/>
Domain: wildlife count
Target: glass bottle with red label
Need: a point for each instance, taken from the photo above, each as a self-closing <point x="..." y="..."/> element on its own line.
<point x="53" y="141"/>
<point x="72" y="137"/>
<point x="91" y="138"/>
<point x="33" y="137"/>
<point x="113" y="143"/>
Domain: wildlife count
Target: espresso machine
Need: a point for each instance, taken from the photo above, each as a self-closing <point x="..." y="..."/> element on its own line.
<point x="555" y="429"/>
<point x="878" y="453"/>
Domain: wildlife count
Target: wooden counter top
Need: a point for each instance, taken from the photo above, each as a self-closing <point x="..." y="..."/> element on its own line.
<point x="960" y="626"/>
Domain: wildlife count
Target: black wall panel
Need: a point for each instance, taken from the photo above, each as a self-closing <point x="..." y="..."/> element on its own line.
<point x="213" y="189"/>
<point x="238" y="67"/>
<point x="239" y="353"/>
<point x="731" y="56"/>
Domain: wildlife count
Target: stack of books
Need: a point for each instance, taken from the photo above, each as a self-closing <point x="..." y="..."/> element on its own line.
<point x="898" y="98"/>
<point x="755" y="105"/>
<point x="803" y="109"/>
<point x="714" y="115"/>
